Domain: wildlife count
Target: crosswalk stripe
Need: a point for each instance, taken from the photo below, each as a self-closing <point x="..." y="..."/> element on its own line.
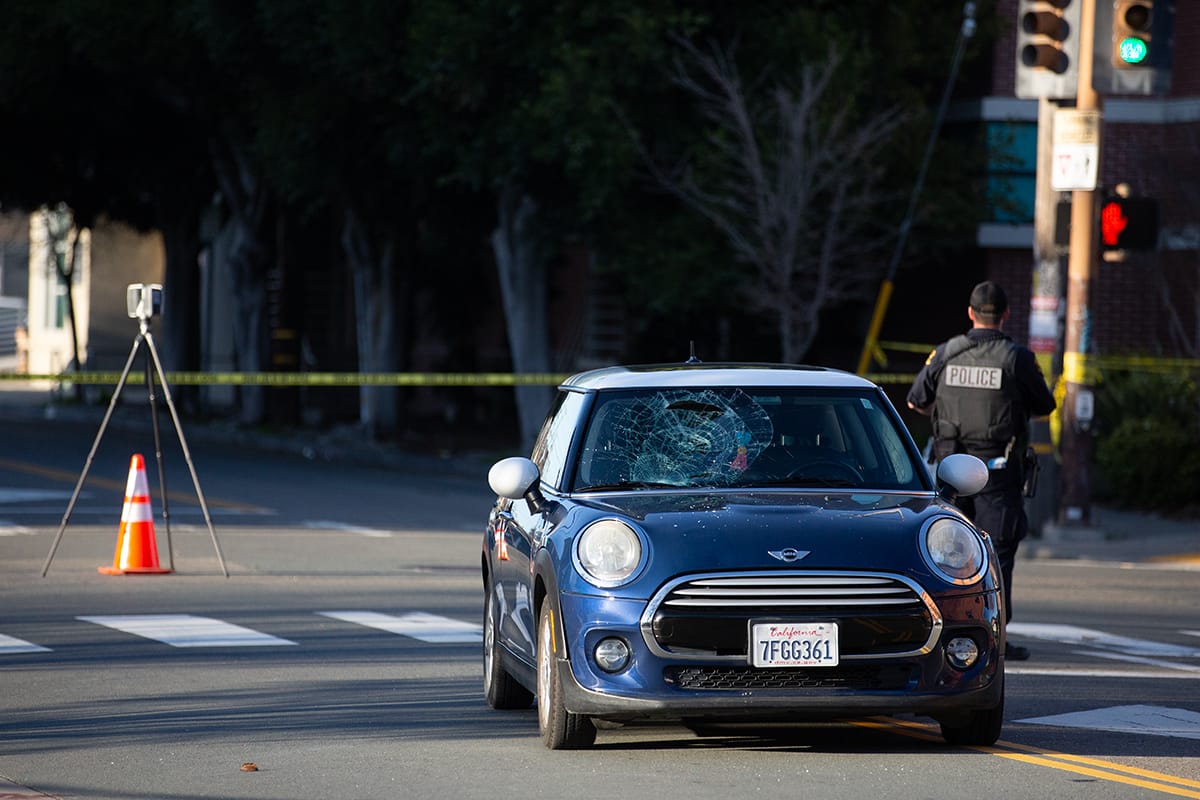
<point x="186" y="630"/>
<point x="10" y="645"/>
<point x="1075" y="635"/>
<point x="1138" y="719"/>
<point x="418" y="625"/>
<point x="327" y="525"/>
<point x="10" y="494"/>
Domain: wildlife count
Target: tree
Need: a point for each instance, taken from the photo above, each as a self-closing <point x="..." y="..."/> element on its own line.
<point x="394" y="128"/>
<point x="102" y="129"/>
<point x="517" y="99"/>
<point x="64" y="240"/>
<point x="791" y="181"/>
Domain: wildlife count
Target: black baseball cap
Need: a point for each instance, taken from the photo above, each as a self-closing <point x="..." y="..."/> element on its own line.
<point x="989" y="298"/>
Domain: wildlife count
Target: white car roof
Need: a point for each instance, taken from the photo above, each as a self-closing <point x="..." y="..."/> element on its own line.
<point x="652" y="376"/>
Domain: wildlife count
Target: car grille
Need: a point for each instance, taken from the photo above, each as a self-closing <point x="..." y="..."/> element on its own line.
<point x="877" y="614"/>
<point x="864" y="677"/>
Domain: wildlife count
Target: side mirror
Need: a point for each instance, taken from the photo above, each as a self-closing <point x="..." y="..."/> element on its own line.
<point x="517" y="477"/>
<point x="964" y="474"/>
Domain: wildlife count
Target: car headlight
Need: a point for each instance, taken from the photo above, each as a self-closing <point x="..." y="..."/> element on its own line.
<point x="954" y="550"/>
<point x="608" y="552"/>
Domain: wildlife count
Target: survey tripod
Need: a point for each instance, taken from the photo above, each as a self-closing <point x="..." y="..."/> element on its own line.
<point x="143" y="302"/>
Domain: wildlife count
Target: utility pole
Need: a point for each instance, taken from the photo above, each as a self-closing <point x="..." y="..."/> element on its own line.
<point x="1046" y="312"/>
<point x="1076" y="443"/>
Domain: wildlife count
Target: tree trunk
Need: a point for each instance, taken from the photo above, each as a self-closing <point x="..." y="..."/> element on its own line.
<point x="247" y="199"/>
<point x="373" y="266"/>
<point x="522" y="264"/>
<point x="248" y="264"/>
<point x="180" y="345"/>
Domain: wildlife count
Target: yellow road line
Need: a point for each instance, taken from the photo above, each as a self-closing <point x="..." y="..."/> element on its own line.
<point x="1178" y="558"/>
<point x="1159" y="782"/>
<point x="106" y="483"/>
<point x="1080" y="765"/>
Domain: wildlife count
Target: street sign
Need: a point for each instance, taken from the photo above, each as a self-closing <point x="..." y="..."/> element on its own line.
<point x="1076" y="150"/>
<point x="1075" y="167"/>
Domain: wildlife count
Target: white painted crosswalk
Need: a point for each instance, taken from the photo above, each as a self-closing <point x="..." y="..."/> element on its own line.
<point x="418" y="625"/>
<point x="1101" y="640"/>
<point x="194" y="631"/>
<point x="186" y="630"/>
<point x="1141" y="720"/>
<point x="10" y="645"/>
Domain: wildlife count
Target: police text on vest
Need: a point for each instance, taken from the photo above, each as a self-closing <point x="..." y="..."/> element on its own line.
<point x="974" y="377"/>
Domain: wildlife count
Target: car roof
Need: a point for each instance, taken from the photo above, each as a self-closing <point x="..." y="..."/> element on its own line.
<point x="691" y="375"/>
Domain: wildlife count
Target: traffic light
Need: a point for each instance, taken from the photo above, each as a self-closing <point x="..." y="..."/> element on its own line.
<point x="1047" y="63"/>
<point x="1131" y="33"/>
<point x="1129" y="223"/>
<point x="1134" y="40"/>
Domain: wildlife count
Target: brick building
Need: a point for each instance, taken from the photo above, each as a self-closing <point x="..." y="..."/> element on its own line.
<point x="1148" y="304"/>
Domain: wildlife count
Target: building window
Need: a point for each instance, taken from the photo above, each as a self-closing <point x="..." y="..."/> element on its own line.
<point x="1011" y="170"/>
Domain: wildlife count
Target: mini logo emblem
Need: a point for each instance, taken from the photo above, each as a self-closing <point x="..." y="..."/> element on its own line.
<point x="788" y="554"/>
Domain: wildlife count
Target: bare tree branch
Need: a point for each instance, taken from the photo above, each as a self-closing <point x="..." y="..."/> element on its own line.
<point x="791" y="184"/>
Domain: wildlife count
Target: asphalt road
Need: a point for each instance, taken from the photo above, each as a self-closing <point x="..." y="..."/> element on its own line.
<point x="341" y="658"/>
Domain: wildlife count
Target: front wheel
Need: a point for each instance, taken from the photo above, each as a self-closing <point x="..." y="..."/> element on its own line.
<point x="978" y="728"/>
<point x="499" y="688"/>
<point x="560" y="729"/>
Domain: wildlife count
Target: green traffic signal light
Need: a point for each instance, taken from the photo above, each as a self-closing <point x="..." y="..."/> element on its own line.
<point x="1132" y="50"/>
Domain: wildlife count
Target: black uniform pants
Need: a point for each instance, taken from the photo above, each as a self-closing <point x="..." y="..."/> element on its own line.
<point x="1000" y="510"/>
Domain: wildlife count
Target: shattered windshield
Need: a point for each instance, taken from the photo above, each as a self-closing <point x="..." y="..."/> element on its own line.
<point x="725" y="437"/>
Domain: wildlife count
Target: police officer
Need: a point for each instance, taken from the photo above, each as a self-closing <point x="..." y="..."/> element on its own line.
<point x="981" y="389"/>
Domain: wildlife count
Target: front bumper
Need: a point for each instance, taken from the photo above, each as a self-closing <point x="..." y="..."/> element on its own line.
<point x="772" y="704"/>
<point x="658" y="686"/>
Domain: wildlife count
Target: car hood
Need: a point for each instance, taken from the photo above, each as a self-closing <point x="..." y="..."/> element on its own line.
<point x="756" y="530"/>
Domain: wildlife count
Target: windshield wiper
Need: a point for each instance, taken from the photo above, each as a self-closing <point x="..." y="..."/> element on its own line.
<point x="624" y="485"/>
<point x="807" y="483"/>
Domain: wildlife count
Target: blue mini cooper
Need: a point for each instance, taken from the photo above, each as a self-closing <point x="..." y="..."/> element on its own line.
<point x="709" y="543"/>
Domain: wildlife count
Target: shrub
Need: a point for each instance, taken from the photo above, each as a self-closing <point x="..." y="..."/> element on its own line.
<point x="1148" y="445"/>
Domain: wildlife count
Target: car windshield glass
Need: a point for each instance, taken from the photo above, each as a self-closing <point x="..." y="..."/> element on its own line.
<point x="754" y="437"/>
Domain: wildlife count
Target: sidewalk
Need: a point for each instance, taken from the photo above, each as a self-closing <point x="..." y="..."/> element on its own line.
<point x="339" y="444"/>
<point x="1120" y="536"/>
<point x="1115" y="536"/>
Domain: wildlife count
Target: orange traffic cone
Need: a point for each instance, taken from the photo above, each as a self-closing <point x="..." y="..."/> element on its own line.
<point x="137" y="548"/>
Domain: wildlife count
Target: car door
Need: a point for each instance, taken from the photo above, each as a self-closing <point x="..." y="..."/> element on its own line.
<point x="519" y="529"/>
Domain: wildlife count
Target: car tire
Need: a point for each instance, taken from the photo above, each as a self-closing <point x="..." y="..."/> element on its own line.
<point x="981" y="728"/>
<point x="560" y="729"/>
<point x="501" y="689"/>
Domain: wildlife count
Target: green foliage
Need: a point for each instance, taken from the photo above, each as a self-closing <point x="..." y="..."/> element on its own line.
<point x="416" y="112"/>
<point x="1147" y="447"/>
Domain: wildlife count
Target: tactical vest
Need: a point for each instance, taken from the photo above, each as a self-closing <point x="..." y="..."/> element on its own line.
<point x="978" y="408"/>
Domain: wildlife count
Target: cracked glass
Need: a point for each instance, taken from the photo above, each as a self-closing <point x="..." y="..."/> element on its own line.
<point x="737" y="437"/>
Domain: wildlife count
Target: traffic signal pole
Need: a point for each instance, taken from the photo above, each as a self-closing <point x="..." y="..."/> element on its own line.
<point x="1076" y="443"/>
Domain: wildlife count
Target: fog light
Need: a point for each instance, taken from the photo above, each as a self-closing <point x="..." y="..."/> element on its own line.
<point x="612" y="655"/>
<point x="962" y="652"/>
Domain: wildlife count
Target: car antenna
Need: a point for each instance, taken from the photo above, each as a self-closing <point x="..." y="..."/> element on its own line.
<point x="692" y="353"/>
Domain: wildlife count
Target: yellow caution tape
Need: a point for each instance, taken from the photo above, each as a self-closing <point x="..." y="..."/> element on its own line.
<point x="890" y="378"/>
<point x="1080" y="368"/>
<point x="1148" y="363"/>
<point x="284" y="379"/>
<point x="908" y="347"/>
<point x="312" y="378"/>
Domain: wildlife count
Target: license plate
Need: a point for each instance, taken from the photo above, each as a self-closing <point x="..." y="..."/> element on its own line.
<point x="794" y="644"/>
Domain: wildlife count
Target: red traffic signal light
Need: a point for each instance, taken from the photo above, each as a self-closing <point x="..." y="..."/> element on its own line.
<point x="1129" y="223"/>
